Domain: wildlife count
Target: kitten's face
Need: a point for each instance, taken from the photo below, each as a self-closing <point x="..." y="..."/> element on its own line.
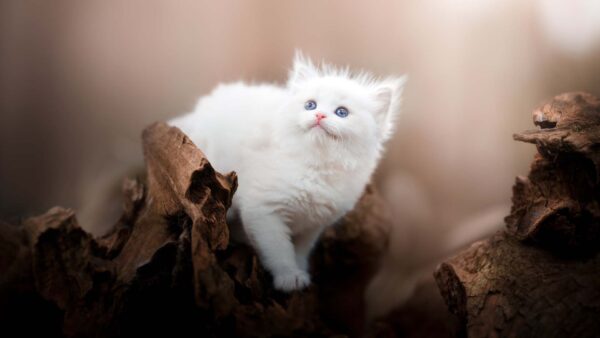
<point x="335" y="109"/>
<point x="333" y="106"/>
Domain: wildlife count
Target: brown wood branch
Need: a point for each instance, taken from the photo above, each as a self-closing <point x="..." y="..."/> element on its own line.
<point x="558" y="205"/>
<point x="541" y="276"/>
<point x="500" y="287"/>
<point x="167" y="266"/>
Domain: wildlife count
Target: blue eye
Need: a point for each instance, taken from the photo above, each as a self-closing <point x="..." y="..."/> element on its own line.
<point x="341" y="112"/>
<point x="310" y="105"/>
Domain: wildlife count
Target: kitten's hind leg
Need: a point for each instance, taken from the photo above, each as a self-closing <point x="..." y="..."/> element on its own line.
<point x="303" y="245"/>
<point x="270" y="237"/>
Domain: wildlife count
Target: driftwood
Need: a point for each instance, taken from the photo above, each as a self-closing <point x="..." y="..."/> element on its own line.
<point x="541" y="276"/>
<point x="168" y="268"/>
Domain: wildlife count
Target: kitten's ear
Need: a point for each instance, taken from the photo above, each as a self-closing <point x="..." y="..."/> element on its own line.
<point x="303" y="69"/>
<point x="389" y="96"/>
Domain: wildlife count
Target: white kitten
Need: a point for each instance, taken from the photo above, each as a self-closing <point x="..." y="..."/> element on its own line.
<point x="303" y="154"/>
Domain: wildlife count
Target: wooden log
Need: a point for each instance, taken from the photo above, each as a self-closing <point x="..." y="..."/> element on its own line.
<point x="168" y="268"/>
<point x="541" y="276"/>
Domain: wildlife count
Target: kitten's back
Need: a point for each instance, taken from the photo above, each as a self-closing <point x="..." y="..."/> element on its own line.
<point x="231" y="118"/>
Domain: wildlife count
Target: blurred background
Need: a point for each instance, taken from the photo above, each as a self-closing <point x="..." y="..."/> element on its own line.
<point x="79" y="80"/>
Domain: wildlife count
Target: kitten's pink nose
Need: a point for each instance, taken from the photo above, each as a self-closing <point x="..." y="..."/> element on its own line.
<point x="320" y="116"/>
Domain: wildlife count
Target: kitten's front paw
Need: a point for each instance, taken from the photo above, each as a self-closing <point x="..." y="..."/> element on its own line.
<point x="290" y="281"/>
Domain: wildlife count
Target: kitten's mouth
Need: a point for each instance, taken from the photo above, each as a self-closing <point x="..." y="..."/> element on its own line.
<point x="327" y="132"/>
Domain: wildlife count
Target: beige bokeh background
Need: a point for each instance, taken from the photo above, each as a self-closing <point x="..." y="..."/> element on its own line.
<point x="79" y="80"/>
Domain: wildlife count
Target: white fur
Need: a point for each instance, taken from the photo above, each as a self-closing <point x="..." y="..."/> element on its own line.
<point x="295" y="179"/>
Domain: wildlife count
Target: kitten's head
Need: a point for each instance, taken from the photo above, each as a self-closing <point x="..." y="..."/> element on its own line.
<point x="334" y="106"/>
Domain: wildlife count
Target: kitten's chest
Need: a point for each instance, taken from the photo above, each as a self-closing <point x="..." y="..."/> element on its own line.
<point x="317" y="199"/>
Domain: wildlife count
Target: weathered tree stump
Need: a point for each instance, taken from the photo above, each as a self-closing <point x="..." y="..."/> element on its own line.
<point x="541" y="276"/>
<point x="168" y="268"/>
